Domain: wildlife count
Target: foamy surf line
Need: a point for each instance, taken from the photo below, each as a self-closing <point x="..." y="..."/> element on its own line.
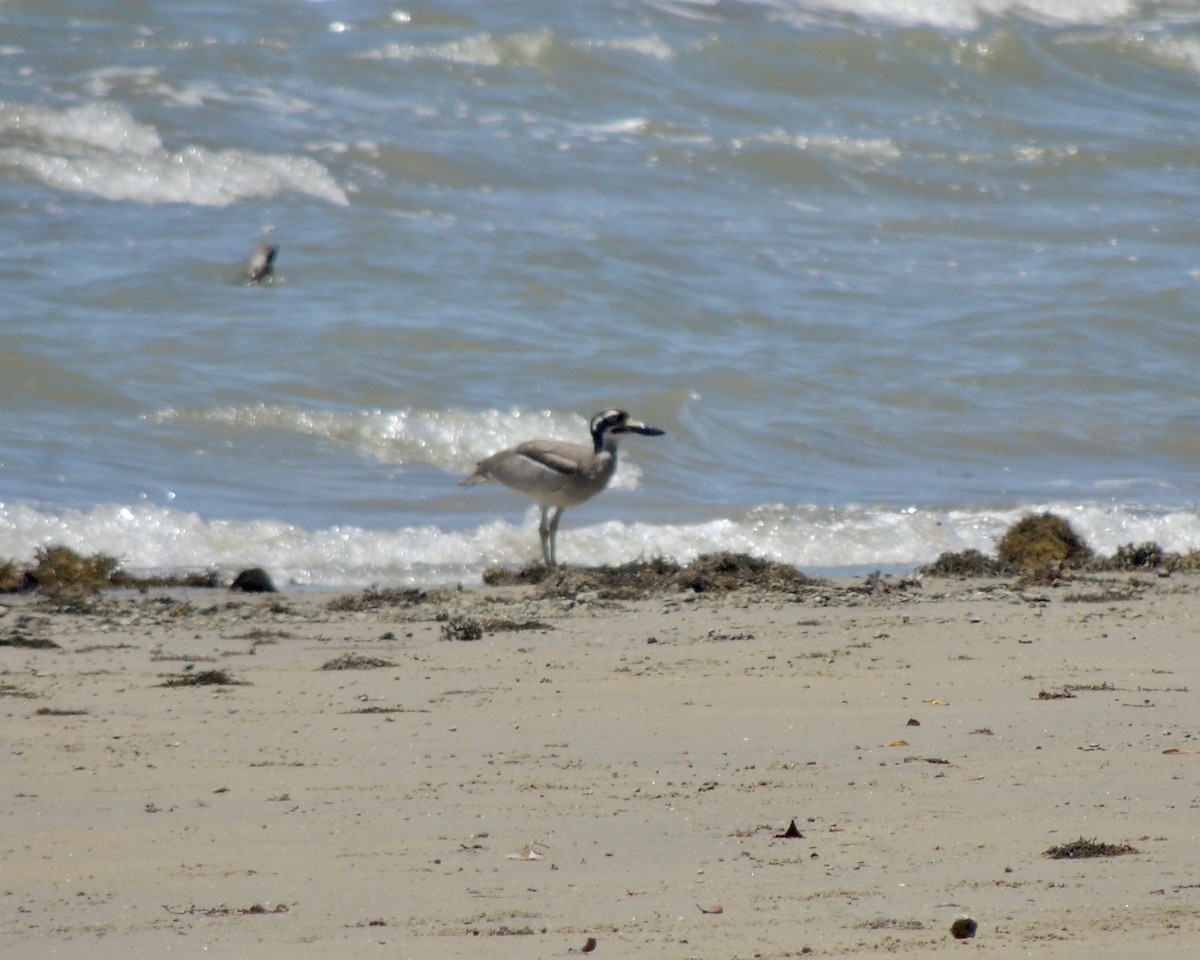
<point x="955" y="15"/>
<point x="150" y="539"/>
<point x="99" y="148"/>
<point x="452" y="440"/>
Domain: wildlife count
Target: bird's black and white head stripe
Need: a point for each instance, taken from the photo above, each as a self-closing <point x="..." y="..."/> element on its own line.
<point x="609" y="421"/>
<point x="612" y="422"/>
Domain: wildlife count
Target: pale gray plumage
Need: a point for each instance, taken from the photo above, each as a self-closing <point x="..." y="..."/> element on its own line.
<point x="559" y="474"/>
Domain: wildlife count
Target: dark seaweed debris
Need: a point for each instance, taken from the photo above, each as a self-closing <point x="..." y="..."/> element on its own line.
<point x="202" y="678"/>
<point x="355" y="661"/>
<point x="712" y="573"/>
<point x="1083" y="848"/>
<point x="1042" y="539"/>
<point x="967" y="563"/>
<point x="462" y="628"/>
<point x="59" y="571"/>
<point x="375" y="598"/>
<point x="1043" y="547"/>
<point x="20" y="639"/>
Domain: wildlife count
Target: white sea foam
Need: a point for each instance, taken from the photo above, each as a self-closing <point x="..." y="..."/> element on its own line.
<point x="872" y="149"/>
<point x="647" y="46"/>
<point x="149" y="538"/>
<point x="956" y="14"/>
<point x="452" y="440"/>
<point x="99" y="148"/>
<point x="480" y="50"/>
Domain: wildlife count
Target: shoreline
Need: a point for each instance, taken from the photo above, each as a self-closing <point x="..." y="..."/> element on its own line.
<point x="608" y="769"/>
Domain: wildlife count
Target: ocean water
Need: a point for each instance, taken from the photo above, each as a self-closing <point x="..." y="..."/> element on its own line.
<point x="890" y="274"/>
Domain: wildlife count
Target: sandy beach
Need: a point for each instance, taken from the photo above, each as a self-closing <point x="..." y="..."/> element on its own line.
<point x="605" y="776"/>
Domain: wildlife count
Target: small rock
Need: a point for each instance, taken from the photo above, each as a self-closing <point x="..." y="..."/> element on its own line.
<point x="963" y="928"/>
<point x="254" y="580"/>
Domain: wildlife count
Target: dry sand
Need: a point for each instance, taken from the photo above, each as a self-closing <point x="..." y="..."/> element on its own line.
<point x="648" y="754"/>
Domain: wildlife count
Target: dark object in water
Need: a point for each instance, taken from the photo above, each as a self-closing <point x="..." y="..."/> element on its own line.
<point x="963" y="928"/>
<point x="262" y="262"/>
<point x="254" y="580"/>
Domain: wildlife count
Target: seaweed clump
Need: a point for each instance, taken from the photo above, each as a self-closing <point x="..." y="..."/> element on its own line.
<point x="966" y="563"/>
<point x="462" y="628"/>
<point x="376" y="598"/>
<point x="1140" y="557"/>
<point x="529" y="575"/>
<point x="59" y="571"/>
<point x="723" y="572"/>
<point x="1042" y="540"/>
<point x="356" y="661"/>
<point x="202" y="678"/>
<point x="1083" y="848"/>
<point x="1037" y="546"/>
<point x="711" y="573"/>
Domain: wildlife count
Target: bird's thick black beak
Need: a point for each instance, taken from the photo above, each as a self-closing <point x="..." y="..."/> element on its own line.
<point x="633" y="426"/>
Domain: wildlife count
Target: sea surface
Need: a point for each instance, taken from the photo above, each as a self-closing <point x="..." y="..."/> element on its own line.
<point x="889" y="274"/>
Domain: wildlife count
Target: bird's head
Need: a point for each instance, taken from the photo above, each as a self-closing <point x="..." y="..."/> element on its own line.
<point x="613" y="422"/>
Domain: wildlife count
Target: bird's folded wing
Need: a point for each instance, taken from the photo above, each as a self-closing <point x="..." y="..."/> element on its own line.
<point x="553" y="456"/>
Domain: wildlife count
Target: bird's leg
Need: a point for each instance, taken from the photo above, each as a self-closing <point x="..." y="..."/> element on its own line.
<point x="544" y="533"/>
<point x="554" y="536"/>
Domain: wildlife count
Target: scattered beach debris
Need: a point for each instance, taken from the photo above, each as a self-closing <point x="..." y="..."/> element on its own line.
<point x="711" y="573"/>
<point x="1142" y="556"/>
<point x="253" y="580"/>
<point x="966" y="563"/>
<point x="791" y="833"/>
<point x="19" y="637"/>
<point x="58" y="712"/>
<point x="1042" y="542"/>
<point x="12" y="576"/>
<point x="58" y="569"/>
<point x="255" y="909"/>
<point x="1063" y="694"/>
<point x="531" y="851"/>
<point x="714" y="909"/>
<point x="462" y="628"/>
<point x="202" y="678"/>
<point x="913" y="722"/>
<point x="356" y="661"/>
<point x="890" y="923"/>
<point x="1083" y="848"/>
<point x="506" y="625"/>
<point x="588" y="945"/>
<point x="1186" y="750"/>
<point x="261" y="265"/>
<point x="375" y="598"/>
<point x="963" y="928"/>
<point x="896" y="743"/>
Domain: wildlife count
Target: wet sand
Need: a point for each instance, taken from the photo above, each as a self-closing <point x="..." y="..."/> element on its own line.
<point x="616" y="770"/>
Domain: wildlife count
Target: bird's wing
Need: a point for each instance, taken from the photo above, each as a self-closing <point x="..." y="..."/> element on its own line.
<point x="564" y="458"/>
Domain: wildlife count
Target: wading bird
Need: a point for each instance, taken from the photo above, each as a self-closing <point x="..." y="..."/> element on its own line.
<point x="559" y="474"/>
